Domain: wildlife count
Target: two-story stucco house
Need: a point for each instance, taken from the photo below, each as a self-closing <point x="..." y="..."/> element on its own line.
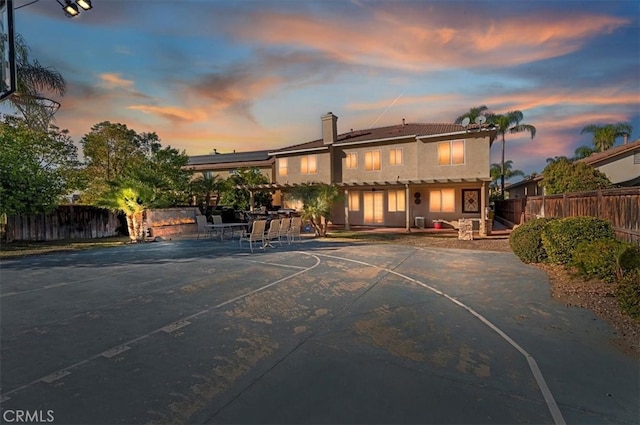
<point x="396" y="176"/>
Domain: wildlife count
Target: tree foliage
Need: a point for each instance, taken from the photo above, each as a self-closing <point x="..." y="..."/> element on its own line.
<point x="563" y="176"/>
<point x="604" y="136"/>
<point x="495" y="172"/>
<point x="236" y="192"/>
<point x="317" y="200"/>
<point x="511" y="122"/>
<point x="473" y="113"/>
<point x="34" y="79"/>
<point x="36" y="167"/>
<point x="205" y="187"/>
<point x="115" y="153"/>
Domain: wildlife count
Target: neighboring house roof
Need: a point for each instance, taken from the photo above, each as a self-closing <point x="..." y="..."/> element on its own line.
<point x="523" y="182"/>
<point x="225" y="158"/>
<point x="381" y="134"/>
<point x="597" y="158"/>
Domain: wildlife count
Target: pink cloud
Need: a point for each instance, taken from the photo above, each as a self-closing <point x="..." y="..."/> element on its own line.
<point x="114" y="81"/>
<point x="403" y="37"/>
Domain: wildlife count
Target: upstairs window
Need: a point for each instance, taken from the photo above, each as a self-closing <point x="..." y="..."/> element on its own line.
<point x="351" y="160"/>
<point x="395" y="156"/>
<point x="451" y="153"/>
<point x="283" y="165"/>
<point x="309" y="164"/>
<point x="372" y="161"/>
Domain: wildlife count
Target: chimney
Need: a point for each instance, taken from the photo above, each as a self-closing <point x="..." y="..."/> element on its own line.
<point x="329" y="128"/>
<point x="625" y="138"/>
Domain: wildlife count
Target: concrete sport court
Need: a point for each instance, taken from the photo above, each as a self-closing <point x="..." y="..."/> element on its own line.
<point x="200" y="331"/>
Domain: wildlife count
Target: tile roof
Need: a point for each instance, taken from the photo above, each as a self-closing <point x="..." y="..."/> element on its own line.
<point x="611" y="152"/>
<point x="394" y="131"/>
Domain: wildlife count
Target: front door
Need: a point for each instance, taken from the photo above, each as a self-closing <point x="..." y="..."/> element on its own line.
<point x="373" y="207"/>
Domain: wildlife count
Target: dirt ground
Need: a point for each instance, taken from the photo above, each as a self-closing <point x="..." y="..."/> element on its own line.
<point x="566" y="287"/>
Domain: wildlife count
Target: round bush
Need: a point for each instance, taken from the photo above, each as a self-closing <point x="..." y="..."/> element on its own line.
<point x="628" y="293"/>
<point x="607" y="259"/>
<point x="560" y="237"/>
<point x="526" y="242"/>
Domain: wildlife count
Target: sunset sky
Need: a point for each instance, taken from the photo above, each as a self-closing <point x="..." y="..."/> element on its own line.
<point x="247" y="75"/>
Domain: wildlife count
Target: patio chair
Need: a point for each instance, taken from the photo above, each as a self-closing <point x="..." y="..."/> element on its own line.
<point x="294" y="231"/>
<point x="203" y="226"/>
<point x="255" y="235"/>
<point x="285" y="225"/>
<point x="272" y="233"/>
<point x="217" y="219"/>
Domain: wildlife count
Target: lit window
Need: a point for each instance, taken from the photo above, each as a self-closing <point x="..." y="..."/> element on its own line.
<point x="396" y="200"/>
<point x="451" y="152"/>
<point x="309" y="164"/>
<point x="372" y="160"/>
<point x="354" y="201"/>
<point x="395" y="157"/>
<point x="442" y="200"/>
<point x="351" y="160"/>
<point x="282" y="166"/>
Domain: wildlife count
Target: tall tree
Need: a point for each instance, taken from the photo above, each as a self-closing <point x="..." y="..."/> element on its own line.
<point x="604" y="136"/>
<point x="37" y="168"/>
<point x="111" y="151"/>
<point x="563" y="176"/>
<point x="511" y="122"/>
<point x="495" y="172"/>
<point x="473" y="113"/>
<point x="34" y="81"/>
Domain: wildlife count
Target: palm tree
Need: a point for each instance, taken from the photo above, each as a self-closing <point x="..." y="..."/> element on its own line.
<point x="317" y="200"/>
<point x="495" y="172"/>
<point x="473" y="113"/>
<point x="604" y="136"/>
<point x="509" y="122"/>
<point x="33" y="79"/>
<point x="583" y="152"/>
<point x="205" y="187"/>
<point x="133" y="199"/>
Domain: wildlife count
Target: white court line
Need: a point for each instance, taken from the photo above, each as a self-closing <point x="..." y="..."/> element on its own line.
<point x="535" y="370"/>
<point x="183" y="321"/>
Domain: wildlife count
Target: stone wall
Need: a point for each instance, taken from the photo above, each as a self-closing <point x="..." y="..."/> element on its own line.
<point x="172" y="221"/>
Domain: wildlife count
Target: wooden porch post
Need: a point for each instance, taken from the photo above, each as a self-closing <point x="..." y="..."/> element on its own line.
<point x="483" y="210"/>
<point x="251" y="201"/>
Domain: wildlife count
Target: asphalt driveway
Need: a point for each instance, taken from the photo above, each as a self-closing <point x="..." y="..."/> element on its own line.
<point x="200" y="331"/>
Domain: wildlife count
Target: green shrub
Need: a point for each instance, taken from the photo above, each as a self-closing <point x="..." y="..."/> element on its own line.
<point x="526" y="242"/>
<point x="560" y="237"/>
<point x="628" y="293"/>
<point x="607" y="259"/>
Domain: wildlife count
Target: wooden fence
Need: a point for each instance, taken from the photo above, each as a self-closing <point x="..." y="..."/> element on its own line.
<point x="621" y="207"/>
<point x="65" y="222"/>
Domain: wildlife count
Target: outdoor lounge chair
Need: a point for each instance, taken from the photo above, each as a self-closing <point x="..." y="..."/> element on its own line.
<point x="272" y="233"/>
<point x="203" y="226"/>
<point x="294" y="231"/>
<point x="285" y="225"/>
<point x="255" y="235"/>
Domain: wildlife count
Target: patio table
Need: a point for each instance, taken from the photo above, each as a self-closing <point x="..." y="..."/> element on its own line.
<point x="223" y="226"/>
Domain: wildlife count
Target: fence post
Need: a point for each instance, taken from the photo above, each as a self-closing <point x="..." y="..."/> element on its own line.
<point x="600" y="212"/>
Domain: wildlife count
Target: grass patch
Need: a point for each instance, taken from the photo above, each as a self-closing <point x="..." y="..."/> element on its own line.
<point x="385" y="236"/>
<point x="24" y="248"/>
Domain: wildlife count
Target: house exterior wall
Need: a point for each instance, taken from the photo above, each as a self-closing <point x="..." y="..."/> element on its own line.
<point x="294" y="172"/>
<point x="476" y="160"/>
<point x="421" y="208"/>
<point x="620" y="169"/>
<point x="524" y="189"/>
